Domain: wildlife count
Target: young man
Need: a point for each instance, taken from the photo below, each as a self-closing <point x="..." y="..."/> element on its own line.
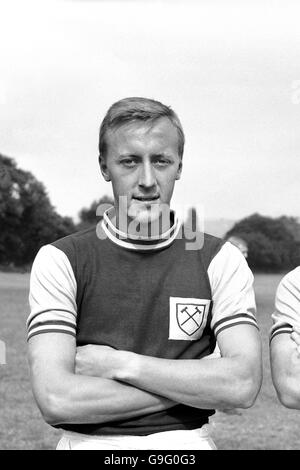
<point x="123" y="317"/>
<point x="240" y="243"/>
<point x="285" y="340"/>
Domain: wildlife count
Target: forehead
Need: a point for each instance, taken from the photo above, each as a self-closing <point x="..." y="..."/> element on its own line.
<point x="159" y="134"/>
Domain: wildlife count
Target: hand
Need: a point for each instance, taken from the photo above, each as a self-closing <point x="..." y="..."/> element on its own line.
<point x="295" y="336"/>
<point x="97" y="361"/>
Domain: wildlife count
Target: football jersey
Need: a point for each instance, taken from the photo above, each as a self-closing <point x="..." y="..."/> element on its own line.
<point x="287" y="304"/>
<point x="150" y="296"/>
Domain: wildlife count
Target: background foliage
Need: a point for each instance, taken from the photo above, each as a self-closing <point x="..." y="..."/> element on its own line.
<point x="273" y="243"/>
<point x="27" y="218"/>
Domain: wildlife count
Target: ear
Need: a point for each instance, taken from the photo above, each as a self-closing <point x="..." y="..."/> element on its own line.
<point x="179" y="170"/>
<point x="103" y="168"/>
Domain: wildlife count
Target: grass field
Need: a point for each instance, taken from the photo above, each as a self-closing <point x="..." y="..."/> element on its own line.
<point x="267" y="425"/>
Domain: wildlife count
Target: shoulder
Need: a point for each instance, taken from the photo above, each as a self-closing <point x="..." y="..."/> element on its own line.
<point x="79" y="244"/>
<point x="210" y="242"/>
<point x="215" y="252"/>
<point x="229" y="258"/>
<point x="66" y="251"/>
<point x="203" y="243"/>
<point x="287" y="303"/>
<point x="76" y="239"/>
<point x="292" y="277"/>
<point x="290" y="284"/>
<point x="229" y="270"/>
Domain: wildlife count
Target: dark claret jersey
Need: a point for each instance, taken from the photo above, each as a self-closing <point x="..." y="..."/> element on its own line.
<point x="150" y="296"/>
<point x="287" y="304"/>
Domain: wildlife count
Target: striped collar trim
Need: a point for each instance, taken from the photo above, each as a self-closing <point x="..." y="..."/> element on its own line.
<point x="139" y="243"/>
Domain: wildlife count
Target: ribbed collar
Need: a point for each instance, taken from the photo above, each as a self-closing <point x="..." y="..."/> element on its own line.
<point x="139" y="242"/>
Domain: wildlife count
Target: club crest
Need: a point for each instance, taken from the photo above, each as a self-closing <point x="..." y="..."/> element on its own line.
<point x="187" y="318"/>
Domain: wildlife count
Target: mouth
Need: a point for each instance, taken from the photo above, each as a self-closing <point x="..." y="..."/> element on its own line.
<point x="146" y="198"/>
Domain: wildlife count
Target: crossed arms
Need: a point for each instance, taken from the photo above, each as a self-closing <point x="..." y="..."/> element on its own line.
<point x="96" y="384"/>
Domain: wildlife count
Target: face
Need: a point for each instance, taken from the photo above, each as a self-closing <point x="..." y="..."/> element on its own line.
<point x="142" y="163"/>
<point x="242" y="247"/>
<point x="244" y="250"/>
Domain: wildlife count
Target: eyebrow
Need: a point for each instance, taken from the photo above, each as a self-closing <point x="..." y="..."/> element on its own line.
<point x="124" y="156"/>
<point x="154" y="155"/>
<point x="164" y="155"/>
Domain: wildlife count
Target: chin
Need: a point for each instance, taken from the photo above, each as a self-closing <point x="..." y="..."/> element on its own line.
<point x="145" y="215"/>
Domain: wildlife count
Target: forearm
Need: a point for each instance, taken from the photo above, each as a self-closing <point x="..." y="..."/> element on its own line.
<point x="64" y="396"/>
<point x="285" y="368"/>
<point x="213" y="383"/>
<point x="82" y="399"/>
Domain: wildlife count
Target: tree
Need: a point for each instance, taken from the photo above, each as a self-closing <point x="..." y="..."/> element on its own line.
<point x="27" y="218"/>
<point x="293" y="226"/>
<point x="272" y="245"/>
<point x="88" y="216"/>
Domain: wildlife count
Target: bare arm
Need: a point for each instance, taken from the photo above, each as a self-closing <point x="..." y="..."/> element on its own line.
<point x="285" y="367"/>
<point x="285" y="340"/>
<point x="232" y="380"/>
<point x="64" y="397"/>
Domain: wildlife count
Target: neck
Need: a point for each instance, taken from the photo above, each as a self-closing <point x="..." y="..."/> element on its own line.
<point x="144" y="229"/>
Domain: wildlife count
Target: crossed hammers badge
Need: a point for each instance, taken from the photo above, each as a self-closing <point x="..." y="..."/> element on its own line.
<point x="189" y="317"/>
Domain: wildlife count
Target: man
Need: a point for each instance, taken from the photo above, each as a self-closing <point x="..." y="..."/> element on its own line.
<point x="285" y="340"/>
<point x="240" y="243"/>
<point x="123" y="317"/>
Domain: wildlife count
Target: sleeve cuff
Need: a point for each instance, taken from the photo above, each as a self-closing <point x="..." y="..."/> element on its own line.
<point x="54" y="321"/>
<point x="280" y="329"/>
<point x="239" y="319"/>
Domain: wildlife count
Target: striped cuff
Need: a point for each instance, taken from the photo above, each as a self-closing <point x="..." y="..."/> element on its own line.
<point x="283" y="328"/>
<point x="239" y="319"/>
<point x="46" y="322"/>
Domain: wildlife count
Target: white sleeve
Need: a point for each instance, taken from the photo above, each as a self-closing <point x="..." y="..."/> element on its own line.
<point x="287" y="304"/>
<point x="231" y="283"/>
<point x="52" y="295"/>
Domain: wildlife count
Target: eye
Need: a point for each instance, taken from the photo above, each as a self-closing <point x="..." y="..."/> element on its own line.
<point x="129" y="162"/>
<point x="162" y="161"/>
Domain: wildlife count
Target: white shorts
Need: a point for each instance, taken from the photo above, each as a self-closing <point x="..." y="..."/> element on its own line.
<point x="196" y="439"/>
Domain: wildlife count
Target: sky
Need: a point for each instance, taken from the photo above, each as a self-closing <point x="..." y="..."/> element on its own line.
<point x="229" y="69"/>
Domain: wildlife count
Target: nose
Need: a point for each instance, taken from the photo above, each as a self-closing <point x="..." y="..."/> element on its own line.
<point x="147" y="178"/>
